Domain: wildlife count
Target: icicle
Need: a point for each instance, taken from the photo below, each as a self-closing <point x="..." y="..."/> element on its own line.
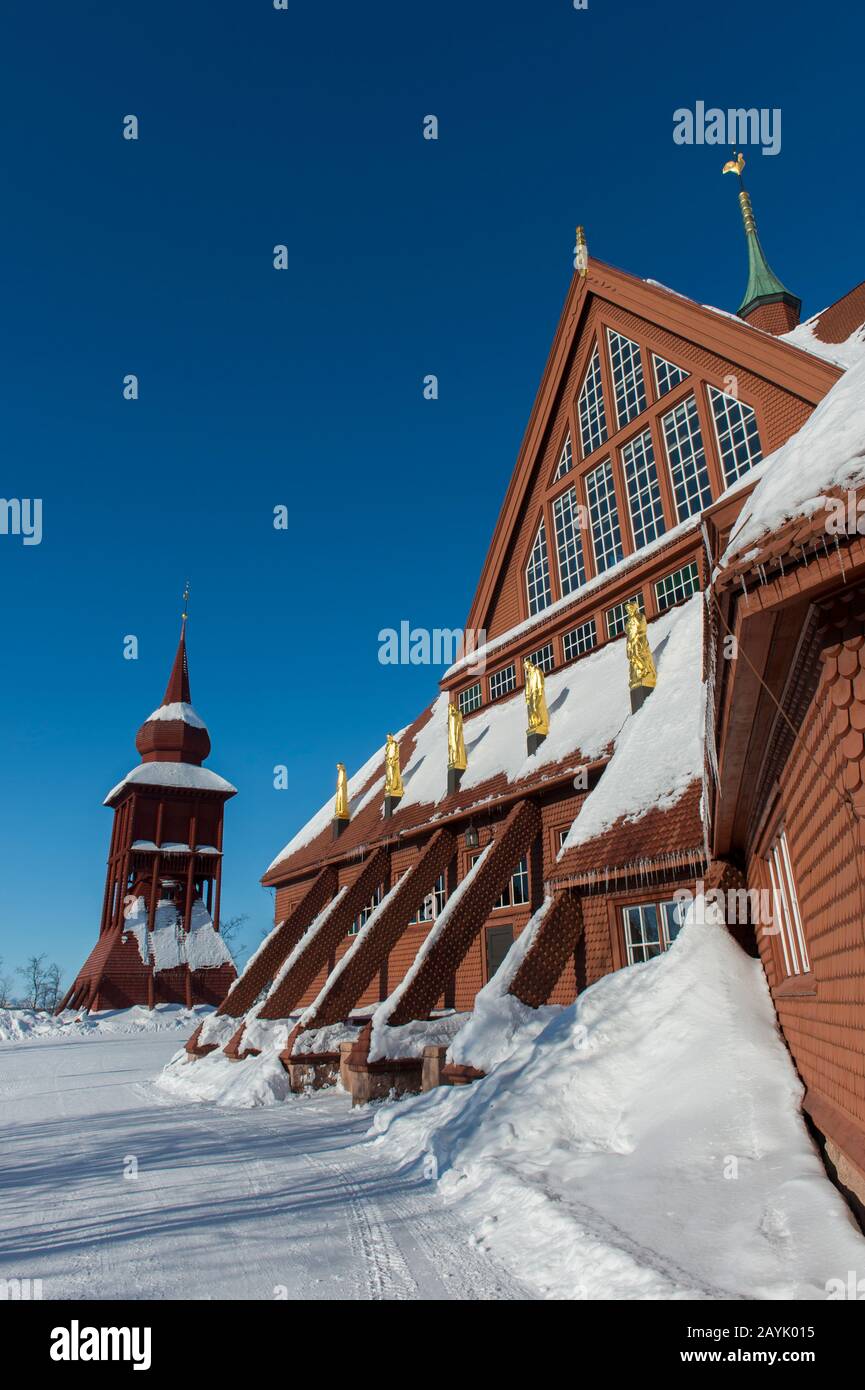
<point x="841" y="558"/>
<point x="781" y="563"/>
<point x="804" y="555"/>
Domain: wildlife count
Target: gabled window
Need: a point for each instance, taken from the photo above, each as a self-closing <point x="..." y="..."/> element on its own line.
<point x="644" y="490"/>
<point x="738" y="436"/>
<point x="470" y="698"/>
<point x="582" y="639"/>
<point x="651" y="928"/>
<point x="786" y="917"/>
<point x="604" y="514"/>
<point x="538" y="573"/>
<point x="687" y="459"/>
<point x="617" y="617"/>
<point x="667" y="374"/>
<point x="679" y="585"/>
<point x="544" y="658"/>
<point x="566" y="459"/>
<point x="627" y="368"/>
<point x="593" y="421"/>
<point x="503" y="682"/>
<point x="569" y="542"/>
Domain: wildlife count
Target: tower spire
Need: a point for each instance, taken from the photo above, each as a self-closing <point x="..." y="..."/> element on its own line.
<point x="767" y="303"/>
<point x="177" y="690"/>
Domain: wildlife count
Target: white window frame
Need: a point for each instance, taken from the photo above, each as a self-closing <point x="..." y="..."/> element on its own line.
<point x="544" y="657"/>
<point x="503" y="681"/>
<point x="673" y="588"/>
<point x="644" y="489"/>
<point x="663" y="386"/>
<point x="607" y="544"/>
<point x="786" y="914"/>
<point x="566" y="459"/>
<point x="686" y="458"/>
<point x="365" y="913"/>
<point x="569" y="542"/>
<point x="575" y="643"/>
<point x="470" y="699"/>
<point x="665" y="909"/>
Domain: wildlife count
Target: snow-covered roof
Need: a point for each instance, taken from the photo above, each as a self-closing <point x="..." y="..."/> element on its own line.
<point x="182" y="775"/>
<point x="659" y="753"/>
<point x="178" y="711"/>
<point x="825" y="455"/>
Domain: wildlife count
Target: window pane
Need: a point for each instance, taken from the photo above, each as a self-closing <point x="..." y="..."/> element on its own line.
<point x="470" y="699"/>
<point x="687" y="459"/>
<point x="538" y="573"/>
<point x="593" y="424"/>
<point x="503" y="682"/>
<point x="565" y="460"/>
<point x="644" y="490"/>
<point x="628" y="381"/>
<point x="677" y="586"/>
<point x="604" y="514"/>
<point x="582" y="639"/>
<point x="569" y="542"/>
<point x="738" y="437"/>
<point x="667" y="374"/>
<point x="543" y="657"/>
<point x="616" y="617"/>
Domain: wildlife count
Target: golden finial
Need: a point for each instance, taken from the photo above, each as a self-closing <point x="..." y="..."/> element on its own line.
<point x="734" y="166"/>
<point x="184" y="615"/>
<point x="581" y="257"/>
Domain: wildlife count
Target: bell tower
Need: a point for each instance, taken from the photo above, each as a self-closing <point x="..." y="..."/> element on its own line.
<point x="159" y="936"/>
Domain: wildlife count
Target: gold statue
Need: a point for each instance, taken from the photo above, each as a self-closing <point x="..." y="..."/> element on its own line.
<point x="456" y="743"/>
<point x="536" y="700"/>
<point x="639" y="652"/>
<point x="340" y="810"/>
<point x="392" y="780"/>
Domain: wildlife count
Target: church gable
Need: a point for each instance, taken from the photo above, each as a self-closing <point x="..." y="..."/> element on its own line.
<point x="650" y="407"/>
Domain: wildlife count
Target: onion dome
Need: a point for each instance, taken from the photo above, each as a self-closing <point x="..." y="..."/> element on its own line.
<point x="174" y="733"/>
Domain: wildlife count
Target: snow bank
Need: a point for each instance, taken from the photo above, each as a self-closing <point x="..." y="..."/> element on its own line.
<point x="660" y="751"/>
<point x="647" y="1145"/>
<point x="326" y="1039"/>
<point x="244" y="1085"/>
<point x="827" y="452"/>
<point x="500" y="1022"/>
<point x="20" y="1025"/>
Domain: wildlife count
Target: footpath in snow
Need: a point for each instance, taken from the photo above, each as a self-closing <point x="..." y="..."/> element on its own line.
<point x="110" y="1189"/>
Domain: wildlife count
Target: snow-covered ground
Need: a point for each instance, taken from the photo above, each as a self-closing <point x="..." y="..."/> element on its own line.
<point x="646" y="1144"/>
<point x="16" y="1024"/>
<point x="292" y="1201"/>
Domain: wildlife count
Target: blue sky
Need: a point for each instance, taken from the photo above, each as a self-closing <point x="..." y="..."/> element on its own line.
<point x="303" y="387"/>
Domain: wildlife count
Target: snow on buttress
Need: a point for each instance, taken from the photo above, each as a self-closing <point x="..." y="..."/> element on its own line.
<point x="646" y="1145"/>
<point x="827" y="452"/>
<point x="500" y="1021"/>
<point x="322" y="818"/>
<point x="659" y="753"/>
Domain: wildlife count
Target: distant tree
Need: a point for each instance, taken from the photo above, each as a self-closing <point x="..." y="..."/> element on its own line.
<point x="33" y="975"/>
<point x="5" y="986"/>
<point x="51" y="992"/>
<point x="230" y="932"/>
<point x="41" y="983"/>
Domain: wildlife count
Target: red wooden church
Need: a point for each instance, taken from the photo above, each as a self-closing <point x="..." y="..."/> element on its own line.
<point x="159" y="936"/>
<point x="680" y="459"/>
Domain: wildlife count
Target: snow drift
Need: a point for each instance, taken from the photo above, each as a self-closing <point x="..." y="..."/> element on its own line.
<point x="647" y="1144"/>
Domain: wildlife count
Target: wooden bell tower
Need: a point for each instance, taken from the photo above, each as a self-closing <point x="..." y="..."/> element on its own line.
<point x="159" y="931"/>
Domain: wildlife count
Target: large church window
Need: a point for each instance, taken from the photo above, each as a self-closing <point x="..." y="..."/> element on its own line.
<point x="687" y="458"/>
<point x="738" y="437"/>
<point x="604" y="514"/>
<point x="644" y="490"/>
<point x="538" y="573"/>
<point x="569" y="542"/>
<point x="593" y="421"/>
<point x="627" y="369"/>
<point x="667" y="374"/>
